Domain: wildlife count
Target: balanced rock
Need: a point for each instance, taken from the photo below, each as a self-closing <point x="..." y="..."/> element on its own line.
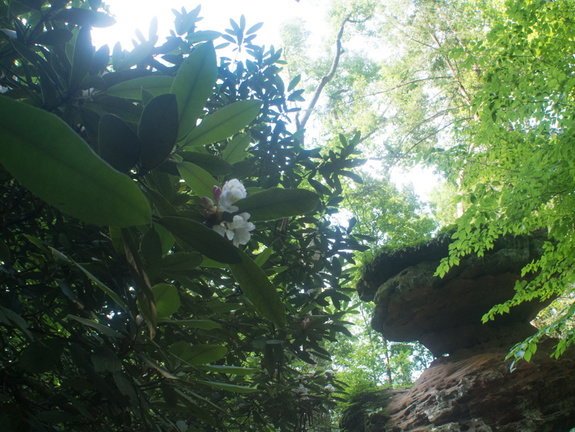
<point x="411" y="304"/>
<point x="470" y="386"/>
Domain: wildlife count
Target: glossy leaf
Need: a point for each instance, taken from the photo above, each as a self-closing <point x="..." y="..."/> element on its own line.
<point x="53" y="162"/>
<point x="167" y="300"/>
<point x="117" y="143"/>
<point x="212" y="164"/>
<point x="200" y="324"/>
<point x="193" y="85"/>
<point x="197" y="354"/>
<point x="132" y="89"/>
<point x="38" y="357"/>
<point x="276" y="203"/>
<point x="137" y="55"/>
<point x="180" y="261"/>
<point x="231" y="370"/>
<point x="203" y="239"/>
<point x="83" y="52"/>
<point x="107" y="290"/>
<point x="103" y="329"/>
<point x="224" y="123"/>
<point x="235" y="150"/>
<point x="54" y="37"/>
<point x="85" y="17"/>
<point x="158" y="130"/>
<point x="201" y="36"/>
<point x="228" y="387"/>
<point x="257" y="287"/>
<point x="100" y="60"/>
<point x="198" y="179"/>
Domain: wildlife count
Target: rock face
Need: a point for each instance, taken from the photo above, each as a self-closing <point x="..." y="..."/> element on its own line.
<point x="444" y="314"/>
<point x="475" y="394"/>
<point x="469" y="387"/>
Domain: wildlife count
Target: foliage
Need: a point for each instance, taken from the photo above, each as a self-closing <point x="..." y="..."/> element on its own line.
<point x="519" y="177"/>
<point x="482" y="92"/>
<point x="120" y="305"/>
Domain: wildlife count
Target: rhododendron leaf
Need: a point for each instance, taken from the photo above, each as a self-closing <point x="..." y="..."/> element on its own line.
<point x="197" y="354"/>
<point x="276" y="203"/>
<point x="193" y="85"/>
<point x="167" y="299"/>
<point x="257" y="287"/>
<point x="132" y="89"/>
<point x="117" y="143"/>
<point x="224" y="123"/>
<point x="158" y="130"/>
<point x="54" y="163"/>
<point x="198" y="179"/>
<point x="203" y="239"/>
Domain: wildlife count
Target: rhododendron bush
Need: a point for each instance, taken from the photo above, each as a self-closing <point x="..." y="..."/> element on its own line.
<point x="166" y="260"/>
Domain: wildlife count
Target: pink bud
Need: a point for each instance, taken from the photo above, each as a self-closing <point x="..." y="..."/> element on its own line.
<point x="208" y="203"/>
<point x="217" y="191"/>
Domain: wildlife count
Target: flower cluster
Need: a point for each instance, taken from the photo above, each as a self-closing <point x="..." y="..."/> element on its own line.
<point x="238" y="228"/>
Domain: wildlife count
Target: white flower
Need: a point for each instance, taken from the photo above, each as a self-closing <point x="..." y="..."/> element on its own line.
<point x="238" y="230"/>
<point x="232" y="191"/>
<point x="300" y="391"/>
<point x="241" y="228"/>
<point x="329" y="388"/>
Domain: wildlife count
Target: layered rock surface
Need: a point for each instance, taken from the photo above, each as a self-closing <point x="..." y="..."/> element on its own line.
<point x="475" y="394"/>
<point x="469" y="387"/>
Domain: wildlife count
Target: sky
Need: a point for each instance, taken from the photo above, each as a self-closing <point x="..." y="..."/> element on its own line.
<point x="138" y="14"/>
<point x="132" y="14"/>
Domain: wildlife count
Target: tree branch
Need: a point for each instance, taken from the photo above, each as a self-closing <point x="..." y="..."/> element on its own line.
<point x="325" y="79"/>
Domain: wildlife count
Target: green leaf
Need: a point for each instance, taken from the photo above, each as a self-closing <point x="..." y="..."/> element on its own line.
<point x="117" y="143"/>
<point x="8" y="316"/>
<point x="167" y="299"/>
<point x="132" y="89"/>
<point x="197" y="354"/>
<point x="105" y="360"/>
<point x="200" y="324"/>
<point x="54" y="37"/>
<point x="294" y="82"/>
<point x="100" y="60"/>
<point x="107" y="290"/>
<point x="85" y="17"/>
<point x="202" y="36"/>
<point x="83" y="52"/>
<point x="212" y="164"/>
<point x="198" y="179"/>
<point x="258" y="289"/>
<point x="254" y="28"/>
<point x="224" y="123"/>
<point x="203" y="239"/>
<point x="39" y="357"/>
<point x="136" y="56"/>
<point x="151" y="252"/>
<point x="231" y="370"/>
<point x="97" y="326"/>
<point x="227" y="387"/>
<point x="276" y="203"/>
<point x="54" y="163"/>
<point x="180" y="261"/>
<point x="235" y="151"/>
<point x="193" y="85"/>
<point x="158" y="130"/>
